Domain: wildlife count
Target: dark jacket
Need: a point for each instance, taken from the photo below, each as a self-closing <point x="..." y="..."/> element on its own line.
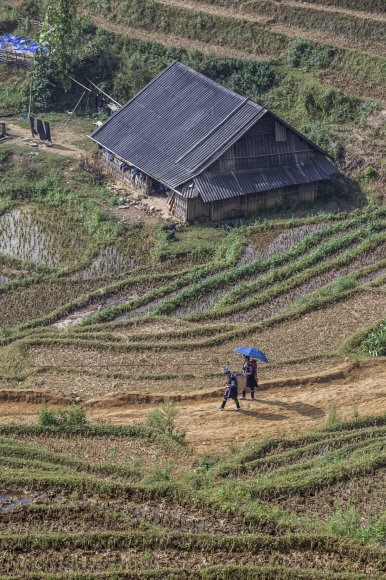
<point x="250" y="376"/>
<point x="231" y="390"/>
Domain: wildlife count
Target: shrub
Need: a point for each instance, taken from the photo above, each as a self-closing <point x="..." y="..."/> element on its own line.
<point x="74" y="415"/>
<point x="333" y="417"/>
<point x="304" y="55"/>
<point x="375" y="342"/>
<point x="318" y="133"/>
<point x="163" y="420"/>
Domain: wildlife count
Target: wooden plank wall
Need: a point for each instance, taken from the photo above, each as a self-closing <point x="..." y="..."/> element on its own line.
<point x="263" y="146"/>
<point x="242" y="204"/>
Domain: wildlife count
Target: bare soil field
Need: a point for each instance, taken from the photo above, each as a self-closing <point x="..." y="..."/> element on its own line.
<point x="281" y="407"/>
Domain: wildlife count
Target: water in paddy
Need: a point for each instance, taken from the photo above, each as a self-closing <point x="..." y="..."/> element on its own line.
<point x="9" y="502"/>
<point x="41" y="235"/>
<point x="108" y="261"/>
<point x="282" y="243"/>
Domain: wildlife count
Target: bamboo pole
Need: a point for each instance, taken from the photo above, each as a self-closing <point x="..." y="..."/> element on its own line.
<point x="78" y="83"/>
<point x="106" y="95"/>
<point x="72" y="112"/>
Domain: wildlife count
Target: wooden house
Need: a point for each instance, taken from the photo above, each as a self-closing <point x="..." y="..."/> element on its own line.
<point x="216" y="154"/>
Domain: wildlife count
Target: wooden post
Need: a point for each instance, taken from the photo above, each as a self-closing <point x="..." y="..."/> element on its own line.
<point x="149" y="183"/>
<point x="3" y="129"/>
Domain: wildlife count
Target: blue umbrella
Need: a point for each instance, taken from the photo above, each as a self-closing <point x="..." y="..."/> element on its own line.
<point x="251" y="351"/>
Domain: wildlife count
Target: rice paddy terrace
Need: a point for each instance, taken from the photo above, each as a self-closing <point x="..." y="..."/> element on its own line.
<point x="117" y="319"/>
<point x="299" y="288"/>
<point x="348" y="36"/>
<point x="292" y="487"/>
<point x="122" y="503"/>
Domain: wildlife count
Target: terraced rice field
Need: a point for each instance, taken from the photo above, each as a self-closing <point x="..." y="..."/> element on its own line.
<point x="116" y="319"/>
<point x="246" y="496"/>
<point x="121" y="504"/>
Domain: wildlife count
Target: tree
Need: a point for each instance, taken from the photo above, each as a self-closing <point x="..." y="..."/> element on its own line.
<point x="58" y="36"/>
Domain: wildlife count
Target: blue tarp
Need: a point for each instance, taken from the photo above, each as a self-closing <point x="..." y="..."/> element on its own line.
<point x="18" y="43"/>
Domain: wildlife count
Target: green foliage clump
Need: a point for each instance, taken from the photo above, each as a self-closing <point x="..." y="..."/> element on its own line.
<point x="74" y="415"/>
<point x="302" y="54"/>
<point x="375" y="342"/>
<point x="163" y="420"/>
<point x="6" y="331"/>
<point x="319" y="134"/>
<point x="339" y="286"/>
<point x="330" y="105"/>
<point x="333" y="417"/>
<point x="250" y="77"/>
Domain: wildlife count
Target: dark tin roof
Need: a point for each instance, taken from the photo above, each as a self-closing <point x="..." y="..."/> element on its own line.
<point x="213" y="187"/>
<point x="179" y="124"/>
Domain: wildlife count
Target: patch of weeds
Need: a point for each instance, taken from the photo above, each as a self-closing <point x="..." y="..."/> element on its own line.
<point x="368" y="174"/>
<point x="74" y="415"/>
<point x="6" y="331"/>
<point x="333" y="417"/>
<point x="375" y="342"/>
<point x="207" y="461"/>
<point x="318" y="133"/>
<point x="158" y="473"/>
<point x="304" y="55"/>
<point x="163" y="420"/>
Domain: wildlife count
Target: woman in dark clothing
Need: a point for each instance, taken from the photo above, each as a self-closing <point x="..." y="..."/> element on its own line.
<point x="250" y="379"/>
<point x="231" y="390"/>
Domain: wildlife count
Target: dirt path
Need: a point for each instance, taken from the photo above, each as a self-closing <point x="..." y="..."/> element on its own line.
<point x="277" y="409"/>
<point x="63" y="141"/>
<point x="64" y="144"/>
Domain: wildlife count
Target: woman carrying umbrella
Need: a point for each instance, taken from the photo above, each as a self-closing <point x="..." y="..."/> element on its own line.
<point x="250" y="379"/>
<point x="249" y="369"/>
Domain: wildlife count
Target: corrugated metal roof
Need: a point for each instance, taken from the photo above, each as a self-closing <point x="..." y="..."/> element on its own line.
<point x="177" y="125"/>
<point x="181" y="122"/>
<point x="225" y="185"/>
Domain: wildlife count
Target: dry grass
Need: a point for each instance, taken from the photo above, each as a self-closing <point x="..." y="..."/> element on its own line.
<point x="122" y="451"/>
<point x="365" y="495"/>
<point x="91" y="372"/>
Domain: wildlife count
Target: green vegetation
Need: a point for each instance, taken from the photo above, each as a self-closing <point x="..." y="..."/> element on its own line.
<point x="72" y="416"/>
<point x="264" y="517"/>
<point x="375" y="342"/>
<point x="139" y="321"/>
<point x="163" y="419"/>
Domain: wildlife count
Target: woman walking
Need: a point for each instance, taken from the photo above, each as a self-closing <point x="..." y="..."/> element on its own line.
<point x="231" y="390"/>
<point x="251" y="383"/>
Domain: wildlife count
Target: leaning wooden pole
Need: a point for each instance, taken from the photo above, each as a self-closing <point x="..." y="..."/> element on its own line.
<point x="72" y="112"/>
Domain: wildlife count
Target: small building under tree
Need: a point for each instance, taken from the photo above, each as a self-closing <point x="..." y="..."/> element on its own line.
<point x="217" y="155"/>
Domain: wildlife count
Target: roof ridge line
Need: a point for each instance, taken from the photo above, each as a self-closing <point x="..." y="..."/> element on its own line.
<point x="213" y="130"/>
<point x="216" y="84"/>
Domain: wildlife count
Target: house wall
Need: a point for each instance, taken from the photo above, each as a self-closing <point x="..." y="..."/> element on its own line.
<point x="180" y="207"/>
<point x="242" y="204"/>
<point x="267" y="144"/>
